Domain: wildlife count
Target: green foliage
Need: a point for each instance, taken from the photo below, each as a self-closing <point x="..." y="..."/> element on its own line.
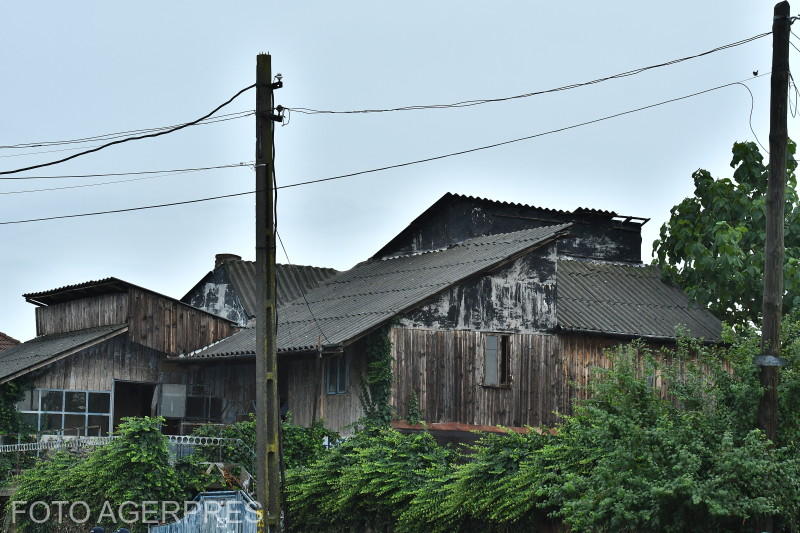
<point x="713" y="243"/>
<point x="413" y="413"/>
<point x="664" y="444"/>
<point x="301" y="445"/>
<point x="10" y="420"/>
<point x="365" y="482"/>
<point x="376" y="385"/>
<point x="134" y="467"/>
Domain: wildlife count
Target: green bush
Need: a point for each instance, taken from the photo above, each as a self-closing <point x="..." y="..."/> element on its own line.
<point x="134" y="467"/>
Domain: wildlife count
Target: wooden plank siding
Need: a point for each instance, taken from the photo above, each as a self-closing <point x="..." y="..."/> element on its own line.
<point x="307" y="398"/>
<point x="83" y="313"/>
<point x="95" y="368"/>
<point x="445" y="369"/>
<point x="171" y="326"/>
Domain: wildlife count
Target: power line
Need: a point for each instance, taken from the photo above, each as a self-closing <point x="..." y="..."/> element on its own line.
<point x="128" y="139"/>
<point x="520" y="139"/>
<point x="408" y="163"/>
<point x="470" y="103"/>
<point x="113" y="182"/>
<point x="120" y="134"/>
<point x="155" y="206"/>
<point x="109" y="174"/>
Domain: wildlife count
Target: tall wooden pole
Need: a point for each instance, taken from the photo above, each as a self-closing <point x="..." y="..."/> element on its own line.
<point x="769" y="361"/>
<point x="772" y="304"/>
<point x="267" y="401"/>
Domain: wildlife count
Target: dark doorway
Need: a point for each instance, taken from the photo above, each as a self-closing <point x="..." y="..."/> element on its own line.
<point x="132" y="399"/>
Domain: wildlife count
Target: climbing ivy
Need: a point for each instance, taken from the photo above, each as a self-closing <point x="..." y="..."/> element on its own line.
<point x="376" y="385"/>
<point x="10" y="420"/>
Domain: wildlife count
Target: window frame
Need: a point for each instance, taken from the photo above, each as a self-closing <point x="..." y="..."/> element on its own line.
<point x="502" y="361"/>
<point x="342" y="374"/>
<point x="39" y="413"/>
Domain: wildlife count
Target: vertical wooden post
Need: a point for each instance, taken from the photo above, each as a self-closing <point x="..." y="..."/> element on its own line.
<point x="774" y="247"/>
<point x="267" y="401"/>
<point x="772" y="303"/>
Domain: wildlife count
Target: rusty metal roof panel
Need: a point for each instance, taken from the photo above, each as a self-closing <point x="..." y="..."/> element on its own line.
<point x="627" y="300"/>
<point x="42" y="349"/>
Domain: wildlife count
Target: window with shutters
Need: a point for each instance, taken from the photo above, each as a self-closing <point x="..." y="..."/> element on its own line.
<point x="497" y="360"/>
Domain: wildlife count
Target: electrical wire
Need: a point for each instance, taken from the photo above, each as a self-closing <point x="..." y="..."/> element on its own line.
<point x="121" y="134"/>
<point x="102" y="183"/>
<point x="136" y="173"/>
<point x="750" y="118"/>
<point x="135" y="138"/>
<point x="408" y="163"/>
<point x="110" y="211"/>
<point x="519" y="139"/>
<point x="470" y="103"/>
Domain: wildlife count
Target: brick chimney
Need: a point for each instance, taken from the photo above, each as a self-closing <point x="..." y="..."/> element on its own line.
<point x="221" y="259"/>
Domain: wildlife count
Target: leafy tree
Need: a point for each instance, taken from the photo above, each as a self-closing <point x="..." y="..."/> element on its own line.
<point x="713" y="244"/>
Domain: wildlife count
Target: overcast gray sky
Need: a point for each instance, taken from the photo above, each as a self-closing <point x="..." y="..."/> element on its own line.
<point x="74" y="69"/>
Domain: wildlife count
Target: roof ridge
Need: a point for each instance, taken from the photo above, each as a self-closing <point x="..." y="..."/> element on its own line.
<point x="577" y="210"/>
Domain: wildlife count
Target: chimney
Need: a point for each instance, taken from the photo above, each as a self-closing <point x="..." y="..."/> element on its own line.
<point x="221" y="259"/>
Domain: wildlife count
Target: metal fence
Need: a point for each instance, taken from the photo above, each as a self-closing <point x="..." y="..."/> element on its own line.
<point x="217" y="512"/>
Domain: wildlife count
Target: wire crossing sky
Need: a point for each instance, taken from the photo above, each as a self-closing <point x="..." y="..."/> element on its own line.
<point x="110" y="67"/>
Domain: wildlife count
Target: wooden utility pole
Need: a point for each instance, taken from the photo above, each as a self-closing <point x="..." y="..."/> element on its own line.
<point x="772" y="304"/>
<point x="268" y="480"/>
<point x="769" y="361"/>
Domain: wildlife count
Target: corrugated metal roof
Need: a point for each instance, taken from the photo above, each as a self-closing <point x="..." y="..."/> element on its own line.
<point x="291" y="280"/>
<point x="42" y="349"/>
<point x="626" y="300"/>
<point x="374" y="291"/>
<point x="6" y="341"/>
<point x="240" y="344"/>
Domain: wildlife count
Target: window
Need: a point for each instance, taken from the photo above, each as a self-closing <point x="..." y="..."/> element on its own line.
<point x="497" y="361"/>
<point x="66" y="412"/>
<point x="336" y="374"/>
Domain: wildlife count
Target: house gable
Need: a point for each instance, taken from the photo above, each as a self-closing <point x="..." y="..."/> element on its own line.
<point x="519" y="297"/>
<point x="454" y="218"/>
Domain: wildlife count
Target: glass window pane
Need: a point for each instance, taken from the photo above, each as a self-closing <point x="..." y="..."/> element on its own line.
<point x="333" y="375"/>
<point x="29" y="402"/>
<point x="74" y="425"/>
<point x="196" y="407"/>
<point x="30" y="422"/>
<point x="342" y="386"/>
<point x="51" y="422"/>
<point x="99" y="402"/>
<point x="76" y="402"/>
<point x="98" y="426"/>
<point x="52" y="400"/>
<point x="490" y="361"/>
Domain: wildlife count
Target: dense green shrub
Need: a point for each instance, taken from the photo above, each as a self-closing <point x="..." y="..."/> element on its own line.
<point x="301" y="445"/>
<point x="365" y="482"/>
<point x="134" y="467"/>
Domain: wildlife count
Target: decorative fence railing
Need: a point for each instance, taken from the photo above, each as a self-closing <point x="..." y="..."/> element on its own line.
<point x="216" y="512"/>
<point x="66" y="443"/>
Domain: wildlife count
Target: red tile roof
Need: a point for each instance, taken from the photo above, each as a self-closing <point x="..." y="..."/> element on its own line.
<point x="6" y="341"/>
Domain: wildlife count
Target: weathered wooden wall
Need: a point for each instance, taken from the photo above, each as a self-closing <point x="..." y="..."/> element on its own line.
<point x="307" y="399"/>
<point x="170" y="326"/>
<point x="83" y="313"/>
<point x="445" y="370"/>
<point x="95" y="368"/>
<point x="232" y="380"/>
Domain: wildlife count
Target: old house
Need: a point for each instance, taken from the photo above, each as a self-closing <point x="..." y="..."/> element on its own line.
<point x="495" y="311"/>
<point x="98" y="352"/>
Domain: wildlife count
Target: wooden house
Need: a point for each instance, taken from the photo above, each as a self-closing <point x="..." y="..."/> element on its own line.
<point x="495" y="311"/>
